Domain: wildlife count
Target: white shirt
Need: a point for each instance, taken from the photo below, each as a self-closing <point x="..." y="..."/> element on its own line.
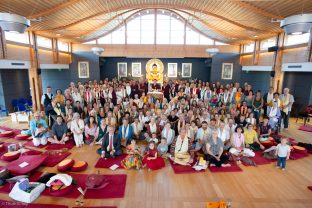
<point x="136" y="127"/>
<point x="77" y="97"/>
<point x="282" y="150"/>
<point x="224" y="134"/>
<point x="43" y="97"/>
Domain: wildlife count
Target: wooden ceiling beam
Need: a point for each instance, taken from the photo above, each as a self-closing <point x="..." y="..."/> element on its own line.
<point x="53" y="9"/>
<point x="256" y="9"/>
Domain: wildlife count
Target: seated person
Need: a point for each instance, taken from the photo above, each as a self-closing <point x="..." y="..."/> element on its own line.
<point x="111" y="144"/>
<point x="90" y="130"/>
<point x="152" y="159"/>
<point x="214" y="149"/>
<point x="33" y="124"/>
<point x="264" y="130"/>
<point x="77" y="128"/>
<point x="162" y="147"/>
<point x="59" y="132"/>
<point x="251" y="138"/>
<point x="202" y="137"/>
<point x="237" y="141"/>
<point x="137" y="128"/>
<point x="274" y="114"/>
<point x="241" y="121"/>
<point x="180" y="149"/>
<point x="134" y="158"/>
<point x="153" y="138"/>
<point x="251" y="119"/>
<point x="153" y="127"/>
<point x="155" y="86"/>
<point x="125" y="132"/>
<point x="40" y="136"/>
<point x="101" y="131"/>
<point x="224" y="135"/>
<point x="168" y="133"/>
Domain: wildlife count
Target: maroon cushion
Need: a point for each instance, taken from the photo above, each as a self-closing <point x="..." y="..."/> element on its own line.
<point x="60" y="192"/>
<point x="65" y="165"/>
<point x="21" y="137"/>
<point x="1" y="147"/>
<point x="6" y="133"/>
<point x="299" y="149"/>
<point x="34" y="161"/>
<point x="10" y="156"/>
<point x="79" y="166"/>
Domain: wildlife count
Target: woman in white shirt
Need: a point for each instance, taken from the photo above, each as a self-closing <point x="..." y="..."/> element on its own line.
<point x="224" y="135"/>
<point x="77" y="128"/>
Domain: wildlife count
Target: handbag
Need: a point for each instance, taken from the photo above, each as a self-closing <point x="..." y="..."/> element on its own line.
<point x="4" y="174"/>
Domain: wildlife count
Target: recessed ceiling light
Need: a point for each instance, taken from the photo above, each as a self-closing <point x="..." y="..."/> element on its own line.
<point x="256" y="36"/>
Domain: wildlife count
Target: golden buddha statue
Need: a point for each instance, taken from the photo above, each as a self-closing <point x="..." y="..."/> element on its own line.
<point x="154" y="71"/>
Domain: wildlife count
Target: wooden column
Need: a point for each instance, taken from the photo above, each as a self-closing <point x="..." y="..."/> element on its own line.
<point x="241" y="50"/>
<point x="277" y="80"/>
<point x="3" y="49"/>
<point x="55" y="51"/>
<point x="310" y="47"/>
<point x="256" y="53"/>
<point x="34" y="72"/>
<point x="70" y="49"/>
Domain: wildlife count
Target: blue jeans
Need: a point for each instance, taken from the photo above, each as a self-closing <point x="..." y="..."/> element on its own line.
<point x="281" y="160"/>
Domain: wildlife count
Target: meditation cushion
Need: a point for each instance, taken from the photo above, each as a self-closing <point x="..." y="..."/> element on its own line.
<point x="267" y="143"/>
<point x="6" y="133"/>
<point x="10" y="156"/>
<point x="220" y="204"/>
<point x="1" y="147"/>
<point x="22" y="137"/>
<point x="299" y="149"/>
<point x="60" y="190"/>
<point x="65" y="165"/>
<point x="33" y="162"/>
<point x="79" y="166"/>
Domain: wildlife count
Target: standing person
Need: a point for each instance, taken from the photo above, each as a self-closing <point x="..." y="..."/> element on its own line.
<point x="257" y="104"/>
<point x="77" y="128"/>
<point x="267" y="100"/>
<point x="46" y="99"/>
<point x="287" y="101"/>
<point x="282" y="153"/>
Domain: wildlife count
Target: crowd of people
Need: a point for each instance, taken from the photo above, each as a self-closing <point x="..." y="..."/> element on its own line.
<point x="191" y="118"/>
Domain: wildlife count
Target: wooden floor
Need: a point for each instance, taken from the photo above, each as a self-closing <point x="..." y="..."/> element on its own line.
<point x="262" y="186"/>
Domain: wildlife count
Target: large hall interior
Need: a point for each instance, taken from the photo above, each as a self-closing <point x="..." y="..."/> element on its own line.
<point x="155" y="103"/>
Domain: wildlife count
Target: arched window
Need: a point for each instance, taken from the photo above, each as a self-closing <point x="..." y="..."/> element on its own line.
<point x="170" y="29"/>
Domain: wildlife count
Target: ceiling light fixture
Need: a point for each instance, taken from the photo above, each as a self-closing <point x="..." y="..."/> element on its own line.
<point x="212" y="51"/>
<point x="97" y="50"/>
<point x="13" y="22"/>
<point x="301" y="23"/>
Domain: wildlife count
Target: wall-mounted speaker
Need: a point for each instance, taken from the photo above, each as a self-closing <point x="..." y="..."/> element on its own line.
<point x="272" y="73"/>
<point x="273" y="49"/>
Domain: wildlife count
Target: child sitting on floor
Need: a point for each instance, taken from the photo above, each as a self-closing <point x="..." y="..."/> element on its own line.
<point x="151" y="160"/>
<point x="282" y="153"/>
<point x="134" y="158"/>
<point x="163" y="147"/>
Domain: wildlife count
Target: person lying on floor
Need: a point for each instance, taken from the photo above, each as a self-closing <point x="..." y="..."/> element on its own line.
<point x="111" y="144"/>
<point x="59" y="132"/>
<point x="214" y="149"/>
<point x="180" y="149"/>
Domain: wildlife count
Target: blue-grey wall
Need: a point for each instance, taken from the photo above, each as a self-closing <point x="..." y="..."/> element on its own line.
<point x="15" y="85"/>
<point x="262" y="81"/>
<point x="200" y="66"/>
<point x="2" y="100"/>
<point x="300" y="86"/>
<point x="60" y="78"/>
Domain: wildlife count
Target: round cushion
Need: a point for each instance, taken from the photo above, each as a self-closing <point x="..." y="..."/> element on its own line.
<point x="1" y="147"/>
<point x="21" y="137"/>
<point x="65" y="165"/>
<point x="300" y="149"/>
<point x="79" y="166"/>
<point x="292" y="149"/>
<point x="267" y="143"/>
<point x="10" y="156"/>
<point x="6" y="133"/>
<point x="57" y="191"/>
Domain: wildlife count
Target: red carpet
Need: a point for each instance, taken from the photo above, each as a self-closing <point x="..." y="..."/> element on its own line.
<point x="259" y="159"/>
<point x="306" y="128"/>
<point x="31" y="144"/>
<point x="180" y="169"/>
<point x="115" y="188"/>
<point x="310" y="187"/>
<point x="296" y="156"/>
<point x="53" y="160"/>
<point x="69" y="145"/>
<point x="97" y="207"/>
<point x="15" y="204"/>
<point x="102" y="163"/>
<point x="34" y="162"/>
<point x="234" y="168"/>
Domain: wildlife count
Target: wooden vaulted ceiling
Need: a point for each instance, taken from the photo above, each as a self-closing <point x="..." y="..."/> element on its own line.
<point x="231" y="21"/>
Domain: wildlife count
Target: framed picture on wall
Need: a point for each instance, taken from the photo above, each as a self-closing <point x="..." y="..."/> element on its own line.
<point x="186" y="69"/>
<point x="136" y="69"/>
<point x="122" y="69"/>
<point x="172" y="70"/>
<point x="227" y="71"/>
<point x="83" y="69"/>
